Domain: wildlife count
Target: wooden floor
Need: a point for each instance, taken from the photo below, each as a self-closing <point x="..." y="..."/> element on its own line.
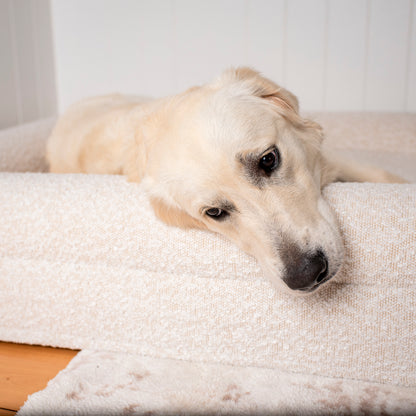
<point x="25" y="369"/>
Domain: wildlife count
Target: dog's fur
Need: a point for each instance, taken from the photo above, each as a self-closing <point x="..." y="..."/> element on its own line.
<point x="203" y="149"/>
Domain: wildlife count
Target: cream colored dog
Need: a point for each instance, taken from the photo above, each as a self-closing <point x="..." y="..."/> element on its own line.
<point x="234" y="157"/>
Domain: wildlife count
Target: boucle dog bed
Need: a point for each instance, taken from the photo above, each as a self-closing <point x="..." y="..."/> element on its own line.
<point x="85" y="264"/>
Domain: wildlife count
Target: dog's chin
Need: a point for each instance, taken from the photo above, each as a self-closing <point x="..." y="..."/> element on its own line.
<point x="313" y="289"/>
<point x="303" y="292"/>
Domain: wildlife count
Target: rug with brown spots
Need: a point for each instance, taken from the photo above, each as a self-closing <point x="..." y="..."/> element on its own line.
<point x="109" y="383"/>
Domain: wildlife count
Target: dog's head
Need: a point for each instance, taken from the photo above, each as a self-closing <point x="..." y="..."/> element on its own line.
<point x="236" y="158"/>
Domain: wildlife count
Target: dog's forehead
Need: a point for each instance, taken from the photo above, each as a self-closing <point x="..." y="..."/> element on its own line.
<point x="212" y="131"/>
<point x="238" y="121"/>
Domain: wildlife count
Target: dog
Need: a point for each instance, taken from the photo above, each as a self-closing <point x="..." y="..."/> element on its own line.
<point x="233" y="156"/>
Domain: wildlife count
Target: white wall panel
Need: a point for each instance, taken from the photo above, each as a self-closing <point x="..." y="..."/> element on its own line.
<point x="209" y="36"/>
<point x="8" y="94"/>
<point x="105" y="46"/>
<point x="27" y="89"/>
<point x="26" y="74"/>
<point x="305" y="51"/>
<point x="265" y="37"/>
<point x="346" y="55"/>
<point x="44" y="60"/>
<point x="387" y="55"/>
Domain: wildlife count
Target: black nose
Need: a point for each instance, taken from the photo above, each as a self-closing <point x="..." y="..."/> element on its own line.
<point x="306" y="272"/>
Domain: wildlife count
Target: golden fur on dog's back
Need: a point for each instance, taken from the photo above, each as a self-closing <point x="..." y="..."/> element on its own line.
<point x="89" y="138"/>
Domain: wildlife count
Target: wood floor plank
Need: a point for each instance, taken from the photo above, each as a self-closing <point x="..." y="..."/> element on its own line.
<point x="7" y="412"/>
<point x="25" y="369"/>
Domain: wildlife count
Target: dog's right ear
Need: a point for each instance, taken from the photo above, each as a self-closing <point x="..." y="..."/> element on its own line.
<point x="283" y="100"/>
<point x="260" y="86"/>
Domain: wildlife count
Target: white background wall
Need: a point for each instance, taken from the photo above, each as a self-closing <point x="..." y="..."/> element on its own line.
<point x="334" y="54"/>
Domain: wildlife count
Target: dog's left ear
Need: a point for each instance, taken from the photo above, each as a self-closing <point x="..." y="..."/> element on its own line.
<point x="174" y="216"/>
<point x="260" y="86"/>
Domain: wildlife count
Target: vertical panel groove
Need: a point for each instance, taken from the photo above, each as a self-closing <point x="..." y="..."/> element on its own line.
<point x="284" y="49"/>
<point x="174" y="70"/>
<point x="409" y="49"/>
<point x="366" y="54"/>
<point x="325" y="55"/>
<point x="245" y="31"/>
<point x="56" y="64"/>
<point x="19" y="110"/>
<point x="36" y="67"/>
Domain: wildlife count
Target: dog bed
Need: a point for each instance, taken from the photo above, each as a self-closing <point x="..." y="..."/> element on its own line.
<point x="85" y="264"/>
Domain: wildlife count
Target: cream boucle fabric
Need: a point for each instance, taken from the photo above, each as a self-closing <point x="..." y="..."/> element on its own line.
<point x="85" y="264"/>
<point x="22" y="148"/>
<point x="386" y="132"/>
<point x="104" y="383"/>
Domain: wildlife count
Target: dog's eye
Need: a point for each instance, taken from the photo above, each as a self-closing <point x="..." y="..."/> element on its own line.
<point x="216" y="213"/>
<point x="270" y="161"/>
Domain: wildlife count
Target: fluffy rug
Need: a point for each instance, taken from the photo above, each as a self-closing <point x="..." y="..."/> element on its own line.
<point x="108" y="383"/>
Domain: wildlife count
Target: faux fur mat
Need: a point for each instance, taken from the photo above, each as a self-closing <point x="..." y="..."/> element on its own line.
<point x="108" y="383"/>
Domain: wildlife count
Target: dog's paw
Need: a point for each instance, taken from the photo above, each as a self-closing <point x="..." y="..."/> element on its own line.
<point x="383" y="176"/>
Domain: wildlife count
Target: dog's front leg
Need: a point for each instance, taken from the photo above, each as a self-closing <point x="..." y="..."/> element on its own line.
<point x="338" y="168"/>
